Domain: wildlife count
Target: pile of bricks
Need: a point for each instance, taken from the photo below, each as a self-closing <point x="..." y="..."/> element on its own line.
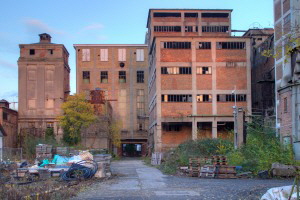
<point x="43" y="151"/>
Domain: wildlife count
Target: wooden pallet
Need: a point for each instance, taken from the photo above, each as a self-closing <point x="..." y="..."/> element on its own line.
<point x="224" y="176"/>
<point x="194" y="167"/>
<point x="207" y="175"/>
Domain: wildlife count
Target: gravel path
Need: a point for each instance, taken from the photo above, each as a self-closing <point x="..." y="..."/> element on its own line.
<point x="135" y="180"/>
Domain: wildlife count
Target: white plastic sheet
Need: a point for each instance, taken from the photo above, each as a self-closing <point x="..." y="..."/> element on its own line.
<point x="280" y="193"/>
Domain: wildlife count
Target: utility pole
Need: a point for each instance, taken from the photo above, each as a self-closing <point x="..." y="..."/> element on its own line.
<point x="235" y="119"/>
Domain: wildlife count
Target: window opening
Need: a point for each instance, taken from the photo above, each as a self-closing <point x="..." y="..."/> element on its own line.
<point x="140" y="76"/>
<point x="122" y="76"/>
<point x="204" y="45"/>
<point x="86" y="76"/>
<point x="31" y="51"/>
<point x="177" y="45"/>
<point x="231" y="45"/>
<point x="104" y="77"/>
<point x="162" y="14"/>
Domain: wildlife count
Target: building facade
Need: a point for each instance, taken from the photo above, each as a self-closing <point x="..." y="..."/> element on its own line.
<point x="287" y="65"/>
<point x="43" y="85"/>
<point x="121" y="71"/>
<point x="196" y="68"/>
<point x="9" y="124"/>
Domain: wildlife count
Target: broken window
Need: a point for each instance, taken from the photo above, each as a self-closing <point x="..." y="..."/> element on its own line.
<point x="191" y="15"/>
<point x="172" y="127"/>
<point x="176" y="70"/>
<point x="231" y="97"/>
<point x="191" y="28"/>
<point x="176" y="45"/>
<point x="140" y="102"/>
<point x="50" y="125"/>
<point x="167" y="14"/>
<point x="85" y="54"/>
<point x="122" y="76"/>
<point x="215" y="29"/>
<point x="122" y="54"/>
<point x="204" y="98"/>
<point x="176" y="98"/>
<point x="203" y="70"/>
<point x="231" y="45"/>
<point x="140" y="55"/>
<point x="104" y="77"/>
<point x="50" y="51"/>
<point x="103" y="54"/>
<point x="215" y="15"/>
<point x="31" y="51"/>
<point x="86" y="76"/>
<point x="140" y="76"/>
<point x="285" y="105"/>
<point x="204" y="45"/>
<point x="167" y="28"/>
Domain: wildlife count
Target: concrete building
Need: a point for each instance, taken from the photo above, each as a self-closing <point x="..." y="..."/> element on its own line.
<point x="43" y="85"/>
<point x="287" y="26"/>
<point x="8" y="124"/>
<point x="262" y="73"/>
<point x="121" y="71"/>
<point x="195" y="69"/>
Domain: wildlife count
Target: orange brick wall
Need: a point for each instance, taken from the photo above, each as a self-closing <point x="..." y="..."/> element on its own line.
<point x="204" y="108"/>
<point x="166" y="19"/>
<point x="231" y="55"/>
<point x="176" y="109"/>
<point x="167" y="33"/>
<point x="215" y="19"/>
<point x="176" y="55"/>
<point x="203" y="55"/>
<point x="176" y="82"/>
<point x="225" y="108"/>
<point x="204" y="82"/>
<point x="228" y="77"/>
<point x="174" y="138"/>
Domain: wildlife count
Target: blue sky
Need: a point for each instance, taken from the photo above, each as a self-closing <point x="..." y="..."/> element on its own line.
<point x="97" y="22"/>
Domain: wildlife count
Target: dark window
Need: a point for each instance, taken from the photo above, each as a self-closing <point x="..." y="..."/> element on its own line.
<point x="191" y="28"/>
<point x="162" y="14"/>
<point x="231" y="97"/>
<point x="31" y="51"/>
<point x="204" y="98"/>
<point x="176" y="98"/>
<point x="204" y="45"/>
<point x="185" y="70"/>
<point x="122" y="76"/>
<point x="285" y="105"/>
<point x="215" y="15"/>
<point x="5" y="116"/>
<point x="204" y="70"/>
<point x="50" y="51"/>
<point x="140" y="76"/>
<point x="167" y="28"/>
<point x="215" y="29"/>
<point x="177" y="45"/>
<point x="86" y="76"/>
<point x="172" y="127"/>
<point x="164" y="70"/>
<point x="195" y="15"/>
<point x="231" y="45"/>
<point x="104" y="77"/>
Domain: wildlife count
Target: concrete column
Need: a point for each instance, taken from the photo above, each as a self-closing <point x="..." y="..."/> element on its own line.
<point x="194" y="129"/>
<point x="240" y="126"/>
<point x="214" y="128"/>
<point x="194" y="77"/>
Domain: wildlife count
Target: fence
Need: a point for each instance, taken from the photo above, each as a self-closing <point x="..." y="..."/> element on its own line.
<point x="11" y="154"/>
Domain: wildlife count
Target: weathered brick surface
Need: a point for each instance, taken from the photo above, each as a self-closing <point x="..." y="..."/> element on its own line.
<point x="231" y="55"/>
<point x="176" y="55"/>
<point x="204" y="81"/>
<point x="204" y="108"/>
<point x="190" y="19"/>
<point x="176" y="109"/>
<point x="228" y="77"/>
<point x="278" y="30"/>
<point x="176" y="82"/>
<point x="166" y="19"/>
<point x="167" y="34"/>
<point x="191" y="33"/>
<point x="286" y="6"/>
<point x="285" y="118"/>
<point x="225" y="108"/>
<point x="277" y="10"/>
<point x="174" y="138"/>
<point x="215" y="34"/>
<point x="203" y="55"/>
<point x="215" y="19"/>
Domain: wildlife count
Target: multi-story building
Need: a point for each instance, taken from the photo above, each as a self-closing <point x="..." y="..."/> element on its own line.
<point x="43" y="85"/>
<point x="287" y="65"/>
<point x="120" y="70"/>
<point x="262" y="73"/>
<point x="196" y="68"/>
<point x="9" y="124"/>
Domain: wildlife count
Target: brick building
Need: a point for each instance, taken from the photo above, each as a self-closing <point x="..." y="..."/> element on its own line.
<point x="9" y="124"/>
<point x="287" y="23"/>
<point x="194" y="66"/>
<point x="121" y="71"/>
<point x="43" y="85"/>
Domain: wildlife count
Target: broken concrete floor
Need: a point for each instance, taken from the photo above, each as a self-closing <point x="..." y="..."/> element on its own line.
<point x="138" y="181"/>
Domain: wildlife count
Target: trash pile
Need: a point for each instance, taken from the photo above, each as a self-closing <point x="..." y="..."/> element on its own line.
<point x="61" y="162"/>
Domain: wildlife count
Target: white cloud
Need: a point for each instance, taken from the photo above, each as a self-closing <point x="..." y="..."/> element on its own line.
<point x="37" y="26"/>
<point x="6" y="64"/>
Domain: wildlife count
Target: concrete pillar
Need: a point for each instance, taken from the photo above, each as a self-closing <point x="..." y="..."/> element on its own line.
<point x="194" y="129"/>
<point x="240" y="126"/>
<point x="214" y="129"/>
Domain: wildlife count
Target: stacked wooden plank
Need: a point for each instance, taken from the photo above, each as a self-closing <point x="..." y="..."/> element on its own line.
<point x="223" y="171"/>
<point x="208" y="171"/>
<point x="194" y="167"/>
<point x="43" y="151"/>
<point x="219" y="160"/>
